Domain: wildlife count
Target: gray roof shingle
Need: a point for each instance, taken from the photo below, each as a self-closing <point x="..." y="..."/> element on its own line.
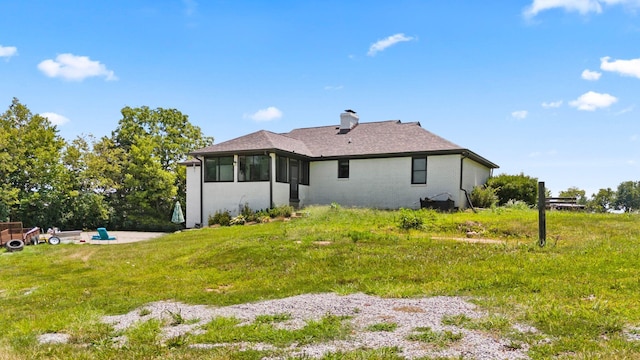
<point x="365" y="139"/>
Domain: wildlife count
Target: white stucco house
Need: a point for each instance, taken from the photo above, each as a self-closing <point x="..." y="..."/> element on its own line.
<point x="386" y="164"/>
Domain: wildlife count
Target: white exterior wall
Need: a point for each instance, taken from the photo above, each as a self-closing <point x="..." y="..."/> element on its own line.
<point x="280" y="193"/>
<point x="383" y="183"/>
<point x="231" y="196"/>
<point x="303" y="195"/>
<point x="193" y="196"/>
<point x="474" y="174"/>
<point x="443" y="178"/>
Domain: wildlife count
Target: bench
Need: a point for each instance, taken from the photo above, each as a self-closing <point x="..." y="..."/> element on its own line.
<point x="563" y="203"/>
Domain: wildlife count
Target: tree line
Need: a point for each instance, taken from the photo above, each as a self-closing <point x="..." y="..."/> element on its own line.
<point x="504" y="188"/>
<point x="129" y="180"/>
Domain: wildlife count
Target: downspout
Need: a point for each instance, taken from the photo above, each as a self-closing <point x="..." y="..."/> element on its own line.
<point x="201" y="191"/>
<point x="466" y="194"/>
<point x="270" y="181"/>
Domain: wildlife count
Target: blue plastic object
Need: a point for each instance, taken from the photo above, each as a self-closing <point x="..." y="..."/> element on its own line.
<point x="102" y="235"/>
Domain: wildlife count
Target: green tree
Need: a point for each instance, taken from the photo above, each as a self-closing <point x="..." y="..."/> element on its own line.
<point x="604" y="200"/>
<point x="154" y="142"/>
<point x="515" y="187"/>
<point x="147" y="186"/>
<point x="83" y="196"/>
<point x="172" y="134"/>
<point x="30" y="167"/>
<point x="575" y="192"/>
<point x="628" y="195"/>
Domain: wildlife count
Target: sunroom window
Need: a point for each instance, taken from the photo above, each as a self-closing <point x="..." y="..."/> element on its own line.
<point x="253" y="168"/>
<point x="218" y="169"/>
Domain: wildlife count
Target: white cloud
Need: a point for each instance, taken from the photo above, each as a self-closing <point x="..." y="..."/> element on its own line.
<point x="552" y="104"/>
<point x="8" y="51"/>
<point x="330" y="87"/>
<point x="76" y="68"/>
<point x="56" y="119"/>
<point x="591" y="75"/>
<point x="268" y="114"/>
<point x="633" y="137"/>
<point x="520" y="114"/>
<point x="581" y="6"/>
<point x="381" y="45"/>
<point x="591" y="101"/>
<point x="623" y="67"/>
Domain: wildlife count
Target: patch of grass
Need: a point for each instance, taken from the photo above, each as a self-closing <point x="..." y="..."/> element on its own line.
<point x="385" y="326"/>
<point x="497" y="324"/>
<point x="145" y="333"/>
<point x="460" y="320"/>
<point x="275" y="318"/>
<point x="436" y="338"/>
<point x="176" y="318"/>
<point x="229" y="330"/>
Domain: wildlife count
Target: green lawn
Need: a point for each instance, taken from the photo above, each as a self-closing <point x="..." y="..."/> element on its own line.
<point x="582" y="290"/>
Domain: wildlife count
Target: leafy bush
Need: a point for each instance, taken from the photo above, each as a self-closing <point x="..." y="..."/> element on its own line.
<point x="281" y="211"/>
<point x="222" y="218"/>
<point x="483" y="196"/>
<point x="247" y="215"/>
<point x="517" y="205"/>
<point x="515" y="187"/>
<point x="410" y="219"/>
<point x="250" y="215"/>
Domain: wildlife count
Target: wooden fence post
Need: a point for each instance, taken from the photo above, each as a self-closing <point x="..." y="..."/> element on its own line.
<point x="542" y="218"/>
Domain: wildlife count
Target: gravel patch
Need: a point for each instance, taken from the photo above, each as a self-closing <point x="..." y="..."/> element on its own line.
<point x="54" y="338"/>
<point x="632" y="334"/>
<point x="362" y="310"/>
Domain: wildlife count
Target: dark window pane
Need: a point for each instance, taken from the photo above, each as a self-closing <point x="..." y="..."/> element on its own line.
<point x="343" y="169"/>
<point x="253" y="168"/>
<point x="225" y="171"/>
<point x="304" y="172"/>
<point x="419" y="170"/>
<point x="218" y="168"/>
<point x="281" y="169"/>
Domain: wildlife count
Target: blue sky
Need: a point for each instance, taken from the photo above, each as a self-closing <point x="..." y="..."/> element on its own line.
<point x="549" y="88"/>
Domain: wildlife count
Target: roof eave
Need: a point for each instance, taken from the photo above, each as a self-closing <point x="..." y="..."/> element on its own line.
<point x="248" y="152"/>
<point x="463" y="152"/>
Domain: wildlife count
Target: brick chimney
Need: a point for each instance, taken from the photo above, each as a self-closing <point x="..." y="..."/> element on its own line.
<point x="348" y="120"/>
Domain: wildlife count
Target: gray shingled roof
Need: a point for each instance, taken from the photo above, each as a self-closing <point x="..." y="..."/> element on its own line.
<point x="366" y="139"/>
<point x="257" y="141"/>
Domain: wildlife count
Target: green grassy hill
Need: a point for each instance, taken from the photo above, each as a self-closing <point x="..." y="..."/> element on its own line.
<point x="582" y="289"/>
